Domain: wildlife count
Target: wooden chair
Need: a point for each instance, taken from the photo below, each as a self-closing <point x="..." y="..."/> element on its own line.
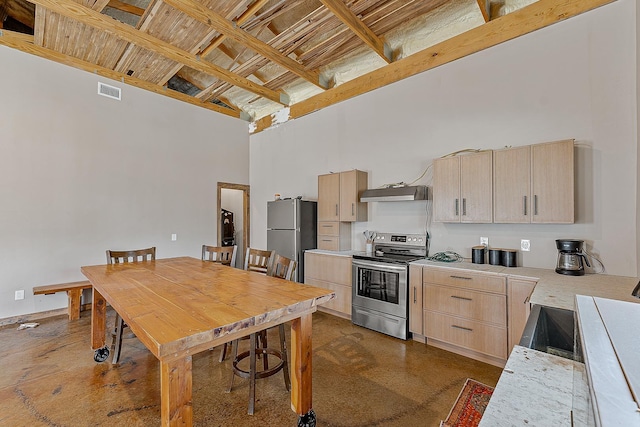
<point x="123" y="257"/>
<point x="258" y="260"/>
<point x="255" y="260"/>
<point x="223" y="254"/>
<point x="283" y="268"/>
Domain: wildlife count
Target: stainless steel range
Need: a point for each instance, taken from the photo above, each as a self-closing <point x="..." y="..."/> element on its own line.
<point x="380" y="282"/>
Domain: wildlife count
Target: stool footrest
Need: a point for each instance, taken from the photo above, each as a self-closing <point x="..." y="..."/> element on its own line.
<point x="259" y="374"/>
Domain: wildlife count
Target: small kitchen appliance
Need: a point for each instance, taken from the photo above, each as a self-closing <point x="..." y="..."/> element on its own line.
<point x="381" y="282"/>
<point x="570" y="257"/>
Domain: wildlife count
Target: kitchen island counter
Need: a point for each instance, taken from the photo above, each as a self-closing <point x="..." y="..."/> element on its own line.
<point x="535" y="389"/>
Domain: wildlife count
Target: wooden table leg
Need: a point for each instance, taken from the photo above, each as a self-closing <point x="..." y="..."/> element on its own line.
<point x="175" y="389"/>
<point x="98" y="320"/>
<point x="301" y="370"/>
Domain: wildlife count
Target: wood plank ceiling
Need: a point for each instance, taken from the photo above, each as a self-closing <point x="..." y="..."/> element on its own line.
<point x="252" y="58"/>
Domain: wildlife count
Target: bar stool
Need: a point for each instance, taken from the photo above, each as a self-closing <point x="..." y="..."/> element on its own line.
<point x="257" y="260"/>
<point x="283" y="268"/>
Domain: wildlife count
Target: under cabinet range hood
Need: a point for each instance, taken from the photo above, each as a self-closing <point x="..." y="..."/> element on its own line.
<point x="395" y="194"/>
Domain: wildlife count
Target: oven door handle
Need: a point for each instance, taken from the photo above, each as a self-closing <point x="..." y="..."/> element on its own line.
<point x="380" y="266"/>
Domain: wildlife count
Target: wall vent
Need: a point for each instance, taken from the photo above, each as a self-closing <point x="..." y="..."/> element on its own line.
<point x="109" y="91"/>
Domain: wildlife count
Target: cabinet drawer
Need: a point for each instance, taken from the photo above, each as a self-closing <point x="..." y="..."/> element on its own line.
<point x="483" y="338"/>
<point x="328" y="228"/>
<point x="464" y="279"/>
<point x="342" y="301"/>
<point x="329" y="243"/>
<point x="481" y="306"/>
<point x="328" y="268"/>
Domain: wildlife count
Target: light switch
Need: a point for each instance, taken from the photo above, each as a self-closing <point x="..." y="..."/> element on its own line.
<point x="174" y="237"/>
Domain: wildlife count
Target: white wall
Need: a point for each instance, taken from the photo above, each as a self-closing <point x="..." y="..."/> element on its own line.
<point x="575" y="79"/>
<point x="80" y="174"/>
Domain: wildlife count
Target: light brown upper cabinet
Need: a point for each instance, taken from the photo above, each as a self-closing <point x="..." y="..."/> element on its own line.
<point x="534" y="183"/>
<point x="329" y="197"/>
<point x="338" y="206"/>
<point x="339" y="196"/>
<point x="352" y="184"/>
<point x="512" y="185"/>
<point x="462" y="188"/>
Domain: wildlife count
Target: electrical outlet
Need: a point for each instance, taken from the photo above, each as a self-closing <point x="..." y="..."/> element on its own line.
<point x="525" y="245"/>
<point x="19" y="295"/>
<point x="174" y="237"/>
<point x="484" y="241"/>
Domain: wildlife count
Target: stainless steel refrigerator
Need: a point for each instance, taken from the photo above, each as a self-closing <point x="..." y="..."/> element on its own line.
<point x="291" y="229"/>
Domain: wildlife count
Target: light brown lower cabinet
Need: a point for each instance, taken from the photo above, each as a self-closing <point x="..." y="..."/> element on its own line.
<point x="483" y="338"/>
<point x="334" y="235"/>
<point x="466" y="312"/>
<point x="331" y="272"/>
<point x="519" y="291"/>
<point x="416" y="320"/>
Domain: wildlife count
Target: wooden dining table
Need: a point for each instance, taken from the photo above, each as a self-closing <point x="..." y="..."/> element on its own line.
<point x="181" y="306"/>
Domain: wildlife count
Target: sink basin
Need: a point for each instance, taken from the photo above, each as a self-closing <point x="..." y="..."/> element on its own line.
<point x="550" y="330"/>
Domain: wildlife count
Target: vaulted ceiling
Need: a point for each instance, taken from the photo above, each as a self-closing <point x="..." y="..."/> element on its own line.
<point x="255" y="59"/>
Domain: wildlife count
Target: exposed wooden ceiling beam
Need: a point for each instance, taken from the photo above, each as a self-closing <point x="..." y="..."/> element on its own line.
<point x="200" y="13"/>
<point x="24" y="43"/>
<point x="20" y="10"/>
<point x="248" y="14"/>
<point x="346" y="15"/>
<point x="126" y="7"/>
<point x="523" y="21"/>
<point x="97" y="5"/>
<point x="82" y="14"/>
<point x="485" y="8"/>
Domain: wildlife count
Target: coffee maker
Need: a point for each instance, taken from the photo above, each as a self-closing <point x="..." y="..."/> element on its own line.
<point x="570" y="257"/>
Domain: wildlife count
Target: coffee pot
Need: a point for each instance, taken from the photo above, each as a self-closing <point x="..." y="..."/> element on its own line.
<point x="570" y="257"/>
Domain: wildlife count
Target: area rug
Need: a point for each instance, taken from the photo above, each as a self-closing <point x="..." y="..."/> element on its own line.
<point x="471" y="403"/>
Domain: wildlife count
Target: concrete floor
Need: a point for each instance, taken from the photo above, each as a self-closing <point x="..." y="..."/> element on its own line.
<point x="360" y="378"/>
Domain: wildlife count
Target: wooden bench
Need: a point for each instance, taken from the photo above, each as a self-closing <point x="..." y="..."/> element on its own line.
<point x="74" y="292"/>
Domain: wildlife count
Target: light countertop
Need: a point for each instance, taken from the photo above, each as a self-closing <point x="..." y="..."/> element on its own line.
<point x="334" y="253"/>
<point x="535" y="389"/>
<point x="553" y="289"/>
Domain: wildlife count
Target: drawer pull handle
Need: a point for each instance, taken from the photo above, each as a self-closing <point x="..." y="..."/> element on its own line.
<point x="462" y="327"/>
<point x="329" y="226"/>
<point x="461" y="277"/>
<point x="326" y="240"/>
<point x="462" y="298"/>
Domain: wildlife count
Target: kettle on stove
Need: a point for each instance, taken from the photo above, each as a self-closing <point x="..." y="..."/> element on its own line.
<point x="570" y="257"/>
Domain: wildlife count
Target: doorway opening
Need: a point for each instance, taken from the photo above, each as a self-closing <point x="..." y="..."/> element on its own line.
<point x="233" y="218"/>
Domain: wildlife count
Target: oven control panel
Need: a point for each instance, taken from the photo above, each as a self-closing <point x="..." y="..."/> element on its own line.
<point x="401" y="239"/>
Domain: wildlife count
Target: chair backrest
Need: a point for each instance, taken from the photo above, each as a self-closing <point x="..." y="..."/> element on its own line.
<point x="222" y="254"/>
<point x="283" y="268"/>
<point x="258" y="260"/>
<point x="119" y="257"/>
